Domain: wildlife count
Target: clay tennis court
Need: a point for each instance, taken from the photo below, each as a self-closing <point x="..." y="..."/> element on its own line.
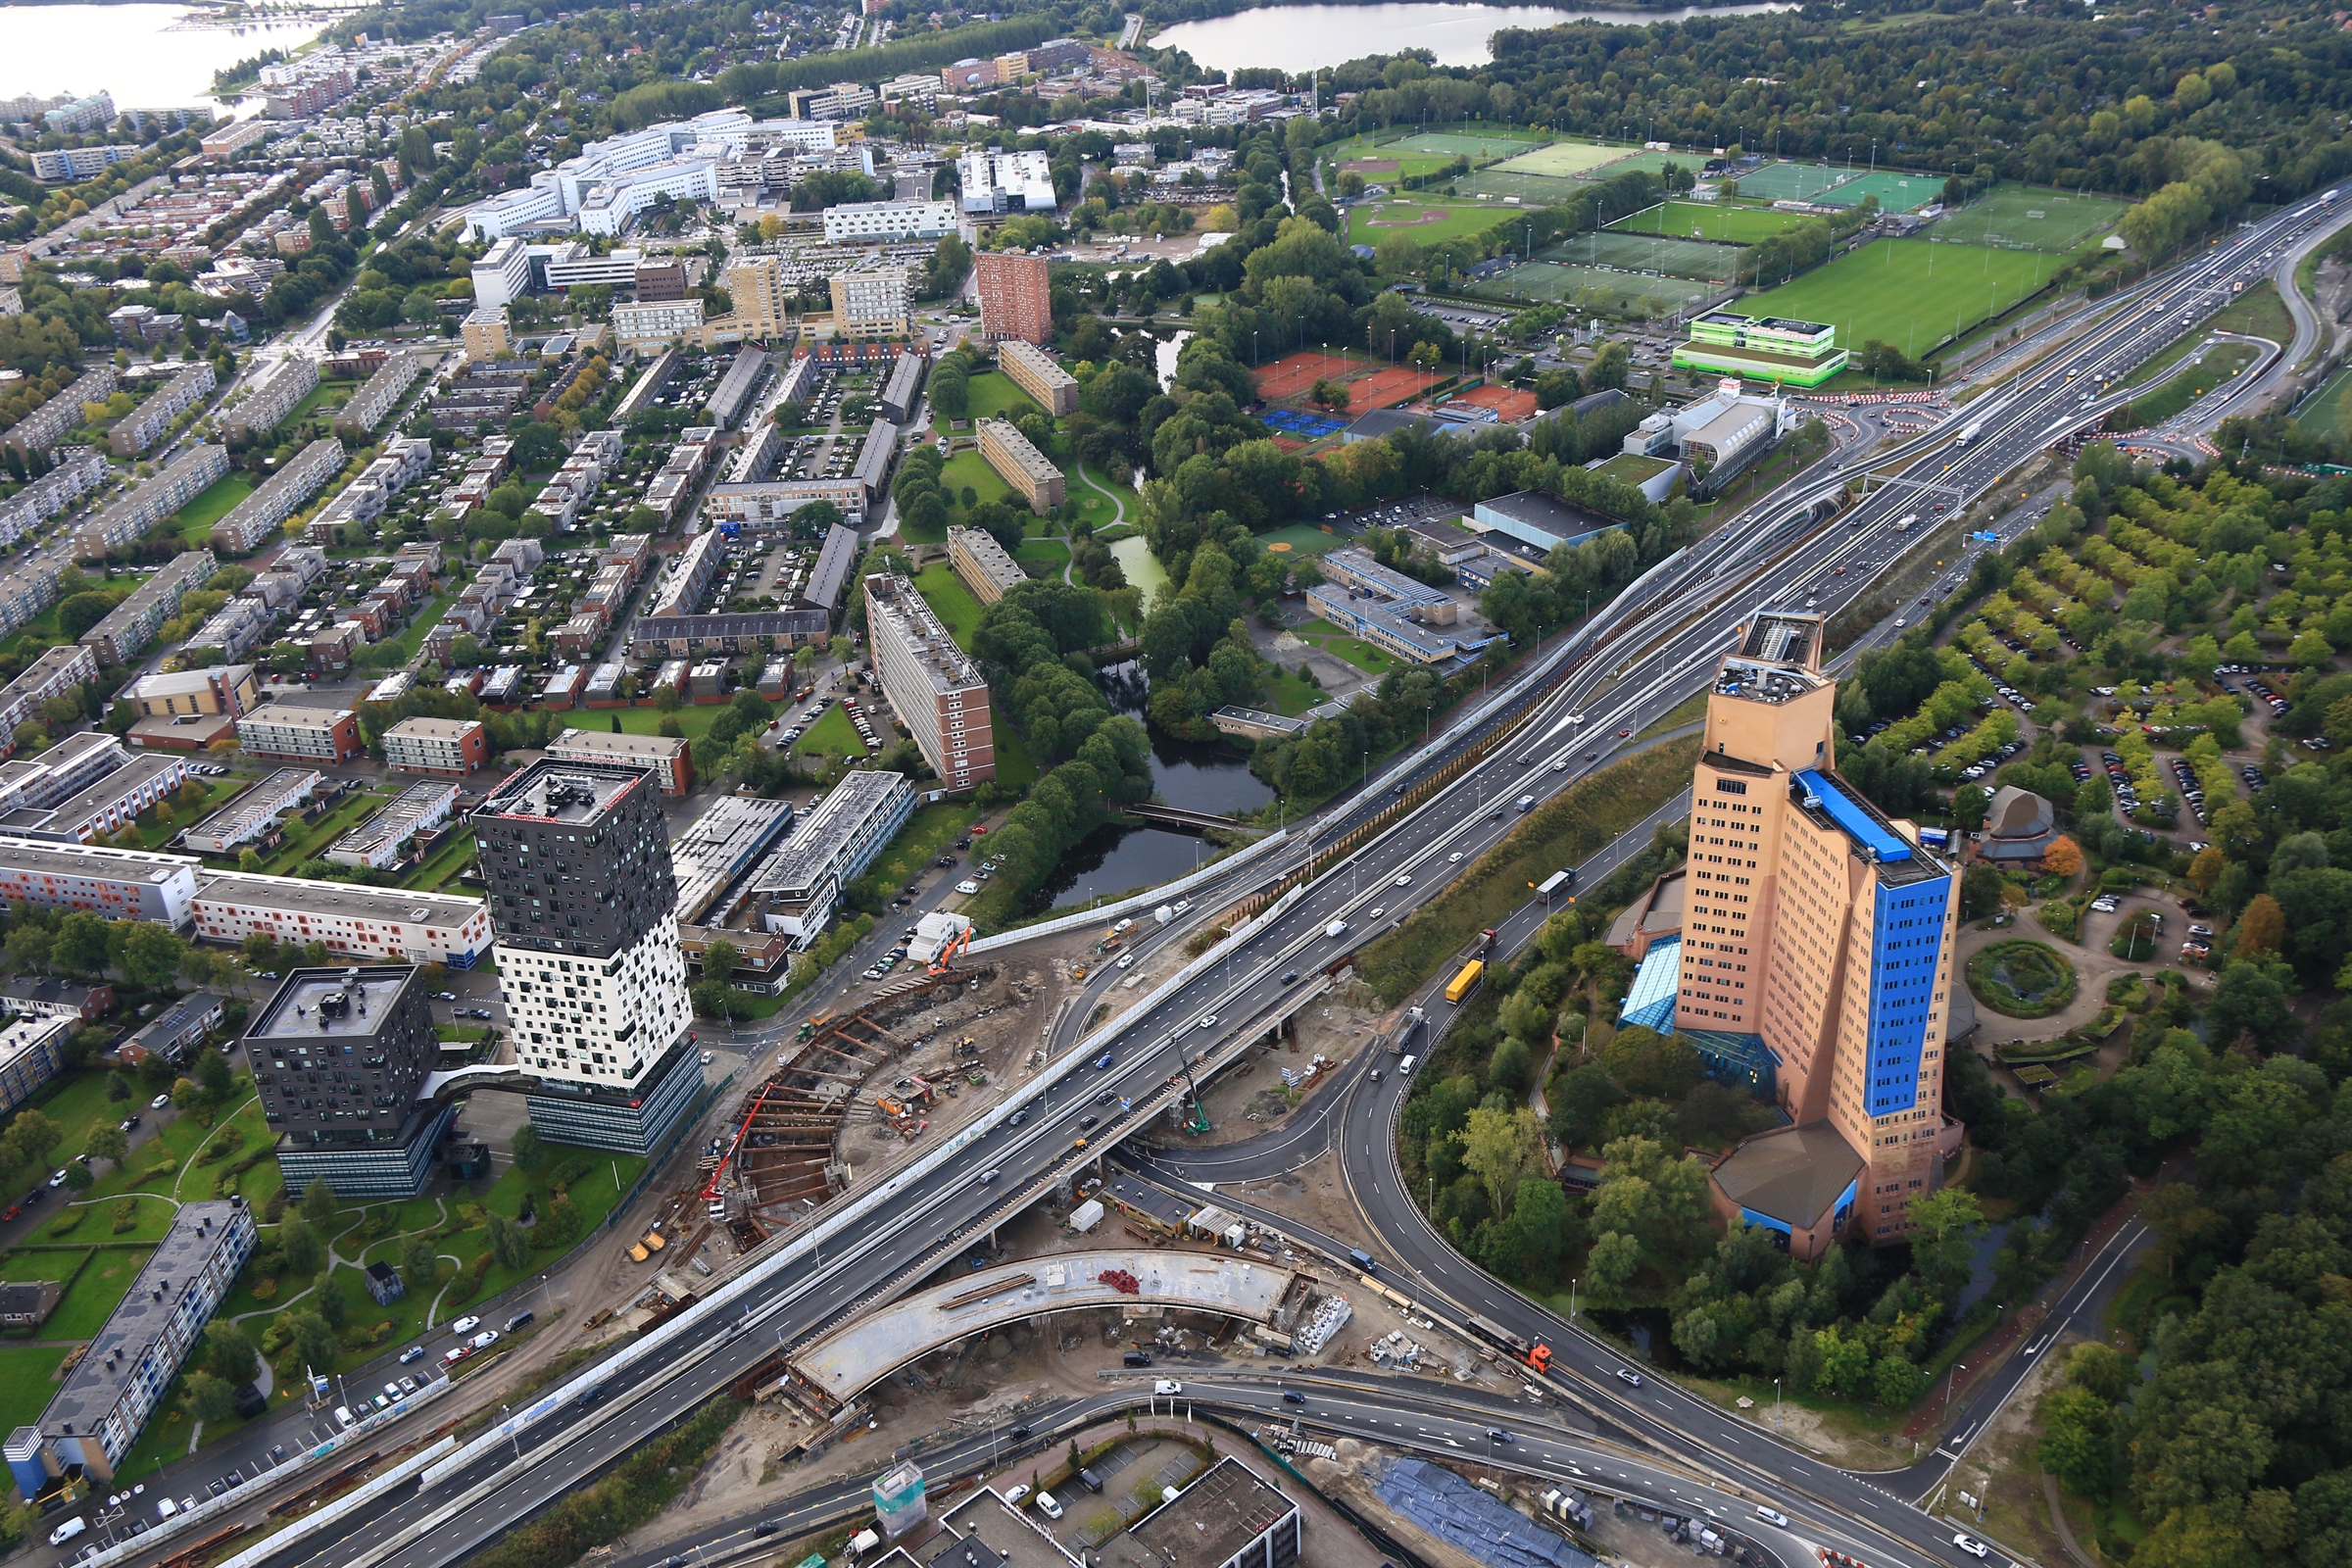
<point x="1511" y="402"/>
<point x="1294" y="375"/>
<point x="1382" y="388"/>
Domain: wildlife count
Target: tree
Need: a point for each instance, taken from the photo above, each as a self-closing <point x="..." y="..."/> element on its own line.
<point x="108" y="1143"/>
<point x="510" y="1243"/>
<point x="34" y="1135"/>
<point x="528" y="1148"/>
<point x="81" y="947"/>
<point x="118" y="1087"/>
<point x="419" y="1265"/>
<point x="2262" y="929"/>
<point x="228" y="1352"/>
<point x="1495" y="1148"/>
<point x="151" y="956"/>
<point x="300" y="1245"/>
<point x="1897" y="1383"/>
<point x="78" y="1176"/>
<point x="2076" y="1444"/>
<point x="1969" y="801"/>
<point x="2064" y="856"/>
<point x="1610" y="1264"/>
<point x="719" y="960"/>
<point x="315" y="1340"/>
<point x="319" y="1202"/>
<point x="209" y="1400"/>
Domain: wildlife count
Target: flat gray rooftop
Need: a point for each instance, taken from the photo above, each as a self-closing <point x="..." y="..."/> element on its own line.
<point x="562" y="791"/>
<point x="355" y="899"/>
<point x="315" y="1003"/>
<point x="1214" y="1518"/>
<point x="107" y="1368"/>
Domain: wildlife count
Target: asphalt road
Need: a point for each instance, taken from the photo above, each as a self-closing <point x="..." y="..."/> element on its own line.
<point x="1659" y="646"/>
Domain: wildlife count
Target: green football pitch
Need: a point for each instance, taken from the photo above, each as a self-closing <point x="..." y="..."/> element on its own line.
<point x="1791" y="182"/>
<point x="1474" y="145"/>
<point x="2025" y="218"/>
<point x="1910" y="293"/>
<point x="1736" y="225"/>
<point x="1564" y="157"/>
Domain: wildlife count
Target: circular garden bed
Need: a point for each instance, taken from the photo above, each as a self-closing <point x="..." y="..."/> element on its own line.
<point x="2022" y="979"/>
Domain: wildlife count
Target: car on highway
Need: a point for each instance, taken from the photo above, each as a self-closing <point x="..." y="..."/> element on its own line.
<point x="466" y="1325"/>
<point x="1126" y="961"/>
<point x="1771" y="1515"/>
<point x="1102" y="1062"/>
<point x="1336" y="929"/>
<point x="1088" y="1124"/>
<point x="1455" y="856"/>
<point x="1292" y="1396"/>
<point x="1972" y="1546"/>
<point x="1208" y="1021"/>
<point x="1167" y="1385"/>
<point x="1289" y="977"/>
<point x="1404" y="880"/>
<point x="1629" y="1375"/>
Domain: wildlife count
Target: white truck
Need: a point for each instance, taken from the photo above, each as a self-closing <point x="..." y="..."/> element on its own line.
<point x="1969" y="432"/>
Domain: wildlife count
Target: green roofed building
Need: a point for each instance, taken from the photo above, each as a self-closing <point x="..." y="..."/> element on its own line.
<point x="1764" y="348"/>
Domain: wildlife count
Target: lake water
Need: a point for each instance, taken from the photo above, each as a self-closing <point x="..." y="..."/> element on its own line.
<point x="1142" y="566"/>
<point x="1112" y="860"/>
<point x="1305" y="38"/>
<point x="134" y="51"/>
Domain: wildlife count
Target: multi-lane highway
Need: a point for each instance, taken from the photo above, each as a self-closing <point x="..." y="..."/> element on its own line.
<point x="1581" y="701"/>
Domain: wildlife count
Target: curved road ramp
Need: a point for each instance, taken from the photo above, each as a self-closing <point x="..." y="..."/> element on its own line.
<point x="834" y="1369"/>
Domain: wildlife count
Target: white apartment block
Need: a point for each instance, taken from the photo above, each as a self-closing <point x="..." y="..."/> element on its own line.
<point x="178" y="482"/>
<point x="399" y="924"/>
<point x="606" y="174"/>
<point x="82" y="163"/>
<point x="149" y="423"/>
<point x="119" y="884"/>
<point x="78" y="473"/>
<point x="272" y="396"/>
<point x="654" y="325"/>
<point x="869" y="223"/>
<point x="254" y="519"/>
<point x="871" y="303"/>
<point x="501" y="275"/>
<point x="378" y="395"/>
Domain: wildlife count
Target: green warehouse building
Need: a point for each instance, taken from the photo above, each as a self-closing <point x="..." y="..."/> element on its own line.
<point x="1762" y="348"/>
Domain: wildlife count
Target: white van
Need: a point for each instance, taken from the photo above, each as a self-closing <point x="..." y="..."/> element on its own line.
<point x="1405" y="1068"/>
<point x="68" y="1531"/>
<point x="1047" y="1506"/>
<point x="1335" y="928"/>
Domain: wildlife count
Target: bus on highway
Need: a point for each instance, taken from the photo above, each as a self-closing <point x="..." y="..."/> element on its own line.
<point x="1465" y="982"/>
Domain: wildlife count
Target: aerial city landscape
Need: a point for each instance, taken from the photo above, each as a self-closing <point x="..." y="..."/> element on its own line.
<point x="1373" y="785"/>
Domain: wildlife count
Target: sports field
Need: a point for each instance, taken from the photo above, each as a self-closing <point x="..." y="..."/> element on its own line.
<point x="1477" y="146"/>
<point x="1533" y="190"/>
<point x="1790" y="182"/>
<point x="1911" y="293"/>
<point x="2026" y="217"/>
<point x="1563" y="159"/>
<point x="1637" y="158"/>
<point x="2330" y="409"/>
<point x="1591" y="288"/>
<point x="1896" y="193"/>
<point x="1736" y="225"/>
<point x="1381" y="158"/>
<point x="1644" y="253"/>
<point x="1368" y="222"/>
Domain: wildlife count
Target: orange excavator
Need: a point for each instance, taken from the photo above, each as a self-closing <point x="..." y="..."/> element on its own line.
<point x="954" y="945"/>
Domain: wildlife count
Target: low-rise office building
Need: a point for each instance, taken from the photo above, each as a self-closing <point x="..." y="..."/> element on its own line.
<point x="228" y="690"/>
<point x="882" y="222"/>
<point x="286" y="733"/>
<point x="447" y="748"/>
<point x="253" y="816"/>
<point x="798" y="889"/>
<point x="380" y="842"/>
<point x="667" y="758"/>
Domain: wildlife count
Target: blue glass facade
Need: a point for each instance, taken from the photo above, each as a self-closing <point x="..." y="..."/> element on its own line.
<point x="1907" y="935"/>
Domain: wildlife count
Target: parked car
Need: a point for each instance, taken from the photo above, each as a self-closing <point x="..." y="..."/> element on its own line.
<point x="466" y="1325"/>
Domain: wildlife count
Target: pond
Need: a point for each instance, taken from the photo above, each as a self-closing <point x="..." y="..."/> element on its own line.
<point x="1142" y="566"/>
<point x="1111" y="860"/>
<point x="1305" y="38"/>
<point x="1186" y="774"/>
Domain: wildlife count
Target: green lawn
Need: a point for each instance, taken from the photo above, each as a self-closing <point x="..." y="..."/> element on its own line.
<point x="951" y="601"/>
<point x="1362" y="654"/>
<point x="1049" y="555"/>
<point x="197" y="518"/>
<point x="327" y="394"/>
<point x="994" y="397"/>
<point x="2221" y="361"/>
<point x="153" y="830"/>
<point x="1304" y="538"/>
<point x="2030" y="218"/>
<point x="1910" y="293"/>
<point x="444" y="864"/>
<point x="34" y="1261"/>
<point x="833" y="736"/>
<point x="2330" y="410"/>
<point x="1291" y="696"/>
<point x="307" y="843"/>
<point x="93" y="1297"/>
<point x="1017" y="770"/>
<point x="972" y="470"/>
<point x="694" y="719"/>
<point x="928" y="835"/>
<point x="76" y="1103"/>
<point x="1427" y="219"/>
<point x="1740" y="225"/>
<point x="1085" y="487"/>
<point x="426" y="619"/>
<point x="28" y="1382"/>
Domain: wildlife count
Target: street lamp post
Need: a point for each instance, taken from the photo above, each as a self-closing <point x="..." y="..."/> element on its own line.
<point x="1776" y="1401"/>
<point x="1957" y="1368"/>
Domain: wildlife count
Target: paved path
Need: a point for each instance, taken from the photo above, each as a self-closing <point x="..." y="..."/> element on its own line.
<point x="2066" y="1536"/>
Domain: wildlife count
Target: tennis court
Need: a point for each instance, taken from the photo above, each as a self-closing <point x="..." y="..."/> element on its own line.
<point x="1733" y="225"/>
<point x="1385" y="388"/>
<point x="1473" y="145"/>
<point x="1791" y="182"/>
<point x="1896" y="193"/>
<point x="1591" y="288"/>
<point x="1533" y="190"/>
<point x="1563" y="159"/>
<point x="1294" y="375"/>
<point x="1644" y="253"/>
<point x="2022" y="218"/>
<point x="1304" y="427"/>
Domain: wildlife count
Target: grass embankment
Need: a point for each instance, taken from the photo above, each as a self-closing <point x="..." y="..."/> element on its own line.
<point x="639" y="1489"/>
<point x="1570" y="828"/>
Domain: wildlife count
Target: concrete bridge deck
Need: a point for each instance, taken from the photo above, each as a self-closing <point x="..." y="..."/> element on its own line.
<point x="856" y="1354"/>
